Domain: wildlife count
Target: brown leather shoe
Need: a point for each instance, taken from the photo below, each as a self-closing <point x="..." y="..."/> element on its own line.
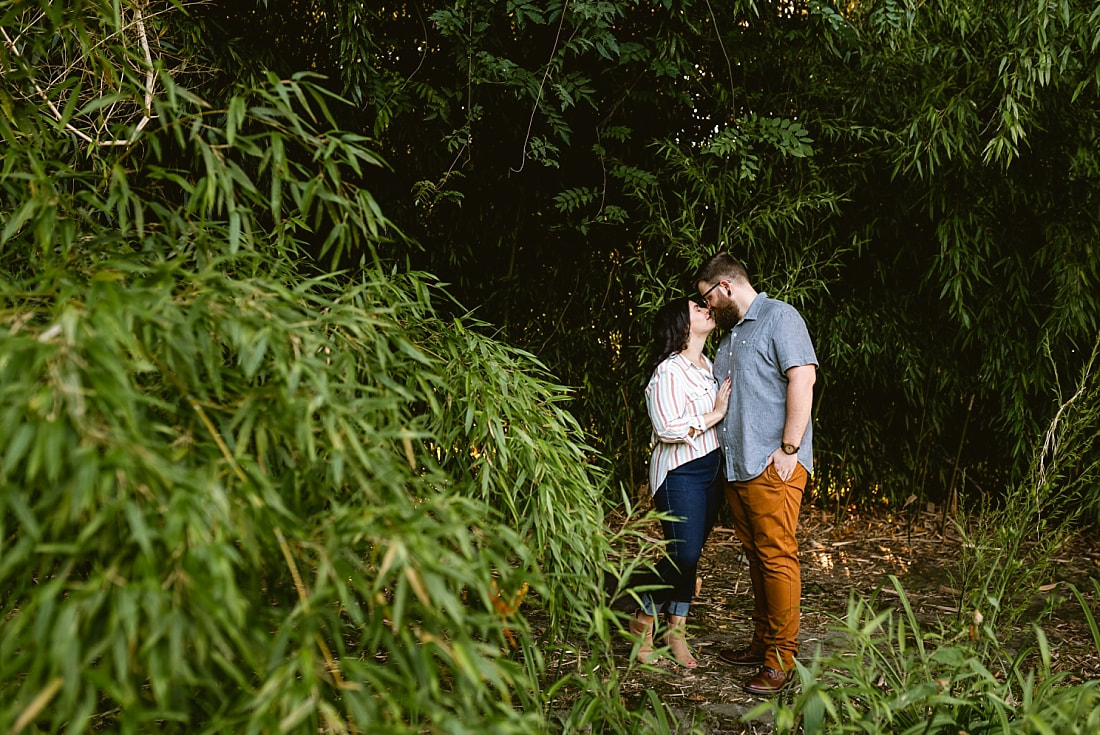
<point x="768" y="681"/>
<point x="747" y="656"/>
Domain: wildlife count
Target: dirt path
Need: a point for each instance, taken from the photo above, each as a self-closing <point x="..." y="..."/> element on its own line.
<point x="856" y="555"/>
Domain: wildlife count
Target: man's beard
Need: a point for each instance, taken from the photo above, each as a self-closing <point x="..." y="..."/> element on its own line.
<point x="725" y="315"/>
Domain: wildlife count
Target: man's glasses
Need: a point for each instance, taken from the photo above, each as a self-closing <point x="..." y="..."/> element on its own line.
<point x="702" y="301"/>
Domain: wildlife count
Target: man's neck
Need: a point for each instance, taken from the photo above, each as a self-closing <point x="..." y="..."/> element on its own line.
<point x="743" y="296"/>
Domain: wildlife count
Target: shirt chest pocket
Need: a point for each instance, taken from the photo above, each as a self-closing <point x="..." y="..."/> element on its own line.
<point x="700" y="397"/>
<point x="747" y="351"/>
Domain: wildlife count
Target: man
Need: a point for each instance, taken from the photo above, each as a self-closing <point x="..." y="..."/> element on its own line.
<point x="767" y="440"/>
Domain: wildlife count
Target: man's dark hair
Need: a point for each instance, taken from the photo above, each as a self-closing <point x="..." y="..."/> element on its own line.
<point x="721" y="266"/>
<point x="671" y="329"/>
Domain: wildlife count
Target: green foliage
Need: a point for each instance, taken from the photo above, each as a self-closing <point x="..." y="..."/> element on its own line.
<point x="889" y="674"/>
<point x="979" y="263"/>
<point x="1010" y="549"/>
<point x="240" y="495"/>
<point x="256" y="496"/>
<point x="210" y="519"/>
<point x="920" y="178"/>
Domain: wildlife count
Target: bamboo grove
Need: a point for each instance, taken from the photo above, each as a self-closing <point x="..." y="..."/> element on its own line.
<point x="919" y="177"/>
<point x="321" y="325"/>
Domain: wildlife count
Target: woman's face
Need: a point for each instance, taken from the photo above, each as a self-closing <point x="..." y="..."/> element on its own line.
<point x="701" y="321"/>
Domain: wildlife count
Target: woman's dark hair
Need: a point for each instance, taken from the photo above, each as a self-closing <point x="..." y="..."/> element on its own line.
<point x="671" y="329"/>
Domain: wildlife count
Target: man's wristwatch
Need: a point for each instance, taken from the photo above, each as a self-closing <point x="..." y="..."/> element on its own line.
<point x="789" y="448"/>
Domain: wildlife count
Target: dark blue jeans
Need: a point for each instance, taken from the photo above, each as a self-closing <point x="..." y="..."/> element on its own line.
<point x="692" y="493"/>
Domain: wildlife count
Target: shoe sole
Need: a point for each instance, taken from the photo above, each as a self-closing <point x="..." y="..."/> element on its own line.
<point x="768" y="692"/>
<point x="762" y="693"/>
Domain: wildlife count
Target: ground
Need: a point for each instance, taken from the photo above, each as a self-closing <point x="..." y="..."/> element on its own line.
<point x="839" y="557"/>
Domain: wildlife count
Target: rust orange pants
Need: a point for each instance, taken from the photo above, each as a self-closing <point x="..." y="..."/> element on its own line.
<point x="765" y="518"/>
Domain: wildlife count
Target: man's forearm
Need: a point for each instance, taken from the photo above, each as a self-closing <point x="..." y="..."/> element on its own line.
<point x="800" y="399"/>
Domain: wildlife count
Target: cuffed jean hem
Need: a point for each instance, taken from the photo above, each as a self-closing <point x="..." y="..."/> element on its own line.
<point x="651" y="609"/>
<point x="678" y="608"/>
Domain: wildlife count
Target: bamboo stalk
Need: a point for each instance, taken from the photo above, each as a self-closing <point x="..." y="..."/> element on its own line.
<point x="37" y="705"/>
<point x="952" y="499"/>
<point x="147" y="112"/>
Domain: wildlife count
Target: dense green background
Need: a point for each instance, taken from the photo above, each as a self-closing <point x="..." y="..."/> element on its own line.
<point x="920" y="178"/>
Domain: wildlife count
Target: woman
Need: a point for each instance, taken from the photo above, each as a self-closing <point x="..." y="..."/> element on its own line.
<point x="685" y="403"/>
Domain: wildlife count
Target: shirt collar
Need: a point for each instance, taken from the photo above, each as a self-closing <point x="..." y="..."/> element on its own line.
<point x="683" y="359"/>
<point x="755" y="307"/>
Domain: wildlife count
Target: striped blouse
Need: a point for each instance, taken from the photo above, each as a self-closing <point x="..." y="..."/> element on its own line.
<point x="678" y="395"/>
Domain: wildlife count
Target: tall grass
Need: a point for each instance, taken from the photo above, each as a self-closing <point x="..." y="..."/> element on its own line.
<point x="1008" y="550"/>
<point x="887" y="673"/>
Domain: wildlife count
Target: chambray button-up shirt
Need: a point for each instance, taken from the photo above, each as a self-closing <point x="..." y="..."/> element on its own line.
<point x="756" y="353"/>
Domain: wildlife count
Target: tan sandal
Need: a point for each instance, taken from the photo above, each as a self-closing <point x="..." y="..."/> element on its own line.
<point x="643" y="632"/>
<point x="676" y="640"/>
